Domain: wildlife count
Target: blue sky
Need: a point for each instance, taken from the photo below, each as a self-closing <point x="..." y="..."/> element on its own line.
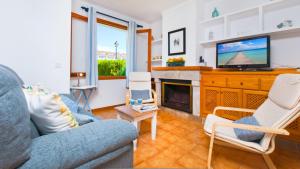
<point x="243" y="45"/>
<point x="107" y="36"/>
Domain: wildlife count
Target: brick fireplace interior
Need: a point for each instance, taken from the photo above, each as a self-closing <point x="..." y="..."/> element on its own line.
<point x="177" y="94"/>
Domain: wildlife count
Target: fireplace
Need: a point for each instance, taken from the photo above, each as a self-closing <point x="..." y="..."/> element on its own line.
<point x="177" y="94"/>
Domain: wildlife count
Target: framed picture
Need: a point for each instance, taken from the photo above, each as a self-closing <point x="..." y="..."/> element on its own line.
<point x="176" y="42"/>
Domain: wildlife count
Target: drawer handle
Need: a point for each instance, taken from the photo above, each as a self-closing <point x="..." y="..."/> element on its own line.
<point x="213" y="82"/>
<point x="242" y="83"/>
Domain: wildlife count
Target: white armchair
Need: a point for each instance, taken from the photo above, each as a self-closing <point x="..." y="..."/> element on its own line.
<point x="280" y="109"/>
<point x="141" y="81"/>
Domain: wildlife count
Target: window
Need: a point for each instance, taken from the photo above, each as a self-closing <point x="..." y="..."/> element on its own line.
<point x="111" y="51"/>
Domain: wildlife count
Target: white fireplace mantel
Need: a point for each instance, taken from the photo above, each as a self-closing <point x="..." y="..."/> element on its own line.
<point x="182" y="73"/>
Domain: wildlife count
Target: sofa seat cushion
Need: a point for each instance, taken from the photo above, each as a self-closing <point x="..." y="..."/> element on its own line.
<point x="73" y="148"/>
<point x="15" y="137"/>
<point x="120" y="158"/>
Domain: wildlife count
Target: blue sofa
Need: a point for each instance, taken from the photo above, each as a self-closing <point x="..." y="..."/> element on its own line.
<point x="103" y="144"/>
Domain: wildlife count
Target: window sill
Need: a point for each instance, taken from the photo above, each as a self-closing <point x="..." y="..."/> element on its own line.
<point x="111" y="77"/>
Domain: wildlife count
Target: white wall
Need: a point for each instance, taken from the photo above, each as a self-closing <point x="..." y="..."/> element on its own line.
<point x="184" y="15"/>
<point x="228" y="6"/>
<point x="109" y="92"/>
<point x="284" y="50"/>
<point x="35" y="41"/>
<point x="156" y="29"/>
<point x="157" y="47"/>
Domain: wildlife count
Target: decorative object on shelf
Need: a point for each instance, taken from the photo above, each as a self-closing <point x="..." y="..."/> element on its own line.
<point x="172" y="62"/>
<point x="176" y="42"/>
<point x="156" y="58"/>
<point x="79" y="75"/>
<point x="285" y="23"/>
<point x="215" y="13"/>
<point x="210" y="35"/>
<point x="202" y="61"/>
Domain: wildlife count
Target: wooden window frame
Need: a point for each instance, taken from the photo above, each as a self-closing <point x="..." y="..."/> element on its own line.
<point x="118" y="26"/>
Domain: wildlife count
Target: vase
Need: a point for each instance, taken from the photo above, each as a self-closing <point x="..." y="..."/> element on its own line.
<point x="215" y="13"/>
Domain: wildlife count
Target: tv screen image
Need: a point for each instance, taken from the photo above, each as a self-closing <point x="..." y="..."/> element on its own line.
<point x="248" y="52"/>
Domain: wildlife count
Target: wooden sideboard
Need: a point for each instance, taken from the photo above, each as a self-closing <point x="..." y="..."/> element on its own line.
<point x="240" y="89"/>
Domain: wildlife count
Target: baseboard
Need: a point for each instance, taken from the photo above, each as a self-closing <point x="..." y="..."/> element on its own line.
<point x="108" y="107"/>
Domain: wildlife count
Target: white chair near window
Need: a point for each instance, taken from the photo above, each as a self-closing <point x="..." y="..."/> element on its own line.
<point x="140" y="85"/>
<point x="280" y="109"/>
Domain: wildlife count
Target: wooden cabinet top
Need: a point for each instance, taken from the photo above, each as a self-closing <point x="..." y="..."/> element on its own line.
<point x="274" y="72"/>
<point x="183" y="68"/>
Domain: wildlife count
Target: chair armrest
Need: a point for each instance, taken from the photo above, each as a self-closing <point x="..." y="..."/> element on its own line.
<point x="251" y="127"/>
<point x="127" y="99"/>
<point x="154" y="96"/>
<point x="233" y="109"/>
<point x="75" y="147"/>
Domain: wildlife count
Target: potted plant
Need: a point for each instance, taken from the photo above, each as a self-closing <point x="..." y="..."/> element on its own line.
<point x="171" y="62"/>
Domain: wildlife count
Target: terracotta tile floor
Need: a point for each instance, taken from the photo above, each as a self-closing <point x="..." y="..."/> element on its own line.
<point x="181" y="143"/>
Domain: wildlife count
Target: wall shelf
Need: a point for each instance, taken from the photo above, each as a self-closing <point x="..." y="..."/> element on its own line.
<point x="157" y="41"/>
<point x="157" y="60"/>
<point x="156" y="51"/>
<point x="272" y="32"/>
<point x="256" y="21"/>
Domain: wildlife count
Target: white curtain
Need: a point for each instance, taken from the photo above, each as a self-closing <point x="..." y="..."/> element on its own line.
<point x="92" y="61"/>
<point x="131" y="61"/>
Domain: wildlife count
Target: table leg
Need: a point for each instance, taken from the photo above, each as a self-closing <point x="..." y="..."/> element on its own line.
<point x="135" y="123"/>
<point x="78" y="98"/>
<point x="118" y="116"/>
<point x="86" y="98"/>
<point x="153" y="125"/>
<point x="139" y="126"/>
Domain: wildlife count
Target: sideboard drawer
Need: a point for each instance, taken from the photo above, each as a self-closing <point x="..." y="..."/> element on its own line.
<point x="243" y="83"/>
<point x="267" y="82"/>
<point x="216" y="81"/>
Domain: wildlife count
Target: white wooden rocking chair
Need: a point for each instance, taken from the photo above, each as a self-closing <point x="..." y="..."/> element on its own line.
<point x="280" y="109"/>
<point x="141" y="81"/>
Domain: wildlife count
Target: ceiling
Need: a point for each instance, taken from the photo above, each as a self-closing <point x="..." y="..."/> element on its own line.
<point x="145" y="10"/>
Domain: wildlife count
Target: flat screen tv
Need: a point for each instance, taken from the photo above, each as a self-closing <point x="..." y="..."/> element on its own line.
<point x="244" y="53"/>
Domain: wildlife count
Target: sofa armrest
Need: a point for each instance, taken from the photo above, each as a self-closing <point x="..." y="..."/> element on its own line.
<point x="73" y="148"/>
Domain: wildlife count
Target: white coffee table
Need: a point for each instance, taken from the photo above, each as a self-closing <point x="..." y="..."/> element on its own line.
<point x="135" y="117"/>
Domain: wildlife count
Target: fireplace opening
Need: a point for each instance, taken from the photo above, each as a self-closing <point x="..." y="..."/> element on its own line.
<point x="177" y="94"/>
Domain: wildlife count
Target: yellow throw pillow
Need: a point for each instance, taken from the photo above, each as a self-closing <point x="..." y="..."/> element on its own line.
<point x="48" y="112"/>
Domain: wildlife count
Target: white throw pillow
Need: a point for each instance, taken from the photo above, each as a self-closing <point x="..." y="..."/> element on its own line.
<point x="48" y="112"/>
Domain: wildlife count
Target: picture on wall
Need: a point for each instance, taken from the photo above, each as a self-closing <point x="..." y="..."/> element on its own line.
<point x="177" y="42"/>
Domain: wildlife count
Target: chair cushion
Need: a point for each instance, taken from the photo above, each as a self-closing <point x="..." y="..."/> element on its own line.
<point x="15" y="137"/>
<point x="248" y="135"/>
<point x="140" y="76"/>
<point x="140" y="94"/>
<point x="226" y="133"/>
<point x="48" y="112"/>
<point x="285" y="91"/>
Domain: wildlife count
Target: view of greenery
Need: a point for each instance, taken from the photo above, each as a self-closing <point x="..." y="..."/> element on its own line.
<point x="111" y="50"/>
<point x="112" y="67"/>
